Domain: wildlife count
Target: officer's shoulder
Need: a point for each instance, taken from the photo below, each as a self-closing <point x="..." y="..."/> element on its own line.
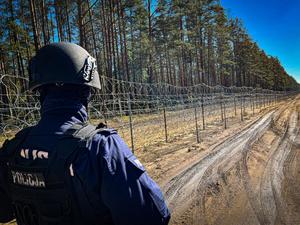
<point x="103" y="129"/>
<point x="87" y="131"/>
<point x="101" y="136"/>
<point x="106" y="131"/>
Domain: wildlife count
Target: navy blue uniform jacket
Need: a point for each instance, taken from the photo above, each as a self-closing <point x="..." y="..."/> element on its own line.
<point x="112" y="175"/>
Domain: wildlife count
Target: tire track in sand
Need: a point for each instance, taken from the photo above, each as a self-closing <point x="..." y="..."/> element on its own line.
<point x="186" y="191"/>
<point x="275" y="171"/>
<point x="267" y="203"/>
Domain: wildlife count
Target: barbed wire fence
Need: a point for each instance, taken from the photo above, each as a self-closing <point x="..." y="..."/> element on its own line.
<point x="144" y="114"/>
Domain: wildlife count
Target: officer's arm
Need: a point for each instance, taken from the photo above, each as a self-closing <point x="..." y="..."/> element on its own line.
<point x="127" y="190"/>
<point x="6" y="211"/>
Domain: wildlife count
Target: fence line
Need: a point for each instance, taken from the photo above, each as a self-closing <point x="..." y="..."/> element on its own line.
<point x="155" y="112"/>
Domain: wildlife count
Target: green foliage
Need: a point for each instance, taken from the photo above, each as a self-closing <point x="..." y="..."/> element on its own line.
<point x="180" y="42"/>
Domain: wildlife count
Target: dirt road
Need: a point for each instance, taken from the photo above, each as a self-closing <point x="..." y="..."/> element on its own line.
<point x="246" y="178"/>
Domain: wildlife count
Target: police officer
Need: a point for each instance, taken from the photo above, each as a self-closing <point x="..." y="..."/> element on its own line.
<point x="65" y="171"/>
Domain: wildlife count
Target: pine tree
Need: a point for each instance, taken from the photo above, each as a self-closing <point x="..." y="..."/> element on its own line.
<point x="180" y="42"/>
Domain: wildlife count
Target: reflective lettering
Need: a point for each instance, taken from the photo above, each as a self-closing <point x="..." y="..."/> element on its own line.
<point x="35" y="154"/>
<point x="28" y="179"/>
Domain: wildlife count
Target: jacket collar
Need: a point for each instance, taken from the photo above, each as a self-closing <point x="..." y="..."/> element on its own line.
<point x="63" y="108"/>
<point x="58" y="115"/>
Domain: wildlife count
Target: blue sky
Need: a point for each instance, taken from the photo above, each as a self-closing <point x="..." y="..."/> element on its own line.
<point x="274" y="25"/>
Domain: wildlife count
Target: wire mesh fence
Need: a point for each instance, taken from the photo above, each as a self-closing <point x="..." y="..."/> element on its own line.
<point x="144" y="114"/>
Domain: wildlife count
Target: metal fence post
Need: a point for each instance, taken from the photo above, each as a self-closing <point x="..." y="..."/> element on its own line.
<point x="130" y="122"/>
<point x="256" y="100"/>
<point x="221" y="107"/>
<point x="165" y="121"/>
<point x="234" y="104"/>
<point x="253" y="103"/>
<point x="196" y="121"/>
<point x="224" y="110"/>
<point x="241" y="100"/>
<point x="202" y="109"/>
<point x="244" y="103"/>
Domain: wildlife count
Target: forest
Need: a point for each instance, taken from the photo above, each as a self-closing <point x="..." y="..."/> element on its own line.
<point x="181" y="42"/>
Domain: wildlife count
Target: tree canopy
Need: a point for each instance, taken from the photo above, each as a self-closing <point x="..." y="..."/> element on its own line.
<point x="179" y="42"/>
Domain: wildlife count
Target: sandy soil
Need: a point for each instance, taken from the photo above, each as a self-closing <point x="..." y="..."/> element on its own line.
<point x="248" y="175"/>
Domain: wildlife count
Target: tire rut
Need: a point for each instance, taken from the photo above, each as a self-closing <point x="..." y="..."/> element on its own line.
<point x="189" y="186"/>
<point x="252" y="194"/>
<point x="267" y="204"/>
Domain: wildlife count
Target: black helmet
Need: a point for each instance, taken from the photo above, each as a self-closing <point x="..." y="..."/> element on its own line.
<point x="63" y="63"/>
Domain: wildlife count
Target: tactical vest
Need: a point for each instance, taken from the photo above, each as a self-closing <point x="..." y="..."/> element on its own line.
<point x="42" y="192"/>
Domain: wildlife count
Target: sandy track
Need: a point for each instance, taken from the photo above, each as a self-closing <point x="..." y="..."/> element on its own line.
<point x="187" y="195"/>
<point x="274" y="207"/>
<point x="190" y="184"/>
<point x="263" y="199"/>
